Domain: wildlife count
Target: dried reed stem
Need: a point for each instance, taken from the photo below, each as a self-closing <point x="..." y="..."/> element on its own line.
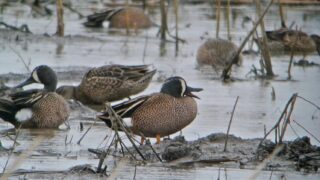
<point x="164" y="25"/>
<point x="228" y="19"/>
<point x="218" y="17"/>
<point x="278" y="133"/>
<point x="234" y="108"/>
<point x="265" y="49"/>
<point x="176" y="8"/>
<point x="283" y="23"/>
<point x="226" y="72"/>
<point x="60" y="23"/>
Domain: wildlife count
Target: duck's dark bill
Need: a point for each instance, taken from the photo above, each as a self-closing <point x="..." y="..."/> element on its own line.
<point x="191" y="89"/>
<point x="26" y="82"/>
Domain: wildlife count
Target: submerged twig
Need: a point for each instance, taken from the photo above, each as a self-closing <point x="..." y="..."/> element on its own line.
<point x="79" y="141"/>
<point x="234" y="108"/>
<point x="23" y="28"/>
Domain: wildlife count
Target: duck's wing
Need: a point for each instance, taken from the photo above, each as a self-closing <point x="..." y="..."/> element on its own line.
<point x="121" y="72"/>
<point x="125" y="109"/>
<point x="27" y="98"/>
<point x="96" y="19"/>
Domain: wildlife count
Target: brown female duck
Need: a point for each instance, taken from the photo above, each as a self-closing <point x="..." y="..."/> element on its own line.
<point x="287" y="40"/>
<point x="217" y="52"/>
<point x="108" y="83"/>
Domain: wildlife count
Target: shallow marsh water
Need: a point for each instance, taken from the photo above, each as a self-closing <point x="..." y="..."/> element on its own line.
<point x="95" y="47"/>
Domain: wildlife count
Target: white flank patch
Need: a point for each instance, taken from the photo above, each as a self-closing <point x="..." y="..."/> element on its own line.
<point x="35" y="76"/>
<point x="24" y="114"/>
<point x="127" y="122"/>
<point x="105" y="24"/>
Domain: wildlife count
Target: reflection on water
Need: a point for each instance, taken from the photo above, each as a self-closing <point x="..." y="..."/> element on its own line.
<point x="255" y="109"/>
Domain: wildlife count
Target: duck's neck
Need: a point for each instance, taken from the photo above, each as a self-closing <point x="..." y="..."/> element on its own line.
<point x="50" y="87"/>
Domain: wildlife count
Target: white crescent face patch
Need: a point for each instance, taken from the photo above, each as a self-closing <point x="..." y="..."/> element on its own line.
<point x="183" y="86"/>
<point x="35" y="76"/>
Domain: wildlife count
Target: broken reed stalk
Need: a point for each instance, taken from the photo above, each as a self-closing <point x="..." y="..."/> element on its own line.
<point x="226" y="72"/>
<point x="287" y="119"/>
<point x="127" y="18"/>
<point x="228" y="20"/>
<point x="234" y="108"/>
<point x="60" y="23"/>
<point x="218" y="17"/>
<point x="118" y="121"/>
<point x="164" y="25"/>
<point x="280" y="133"/>
<point x="176" y="8"/>
<point x="290" y="63"/>
<point x="144" y="4"/>
<point x="265" y="50"/>
<point x="283" y="23"/>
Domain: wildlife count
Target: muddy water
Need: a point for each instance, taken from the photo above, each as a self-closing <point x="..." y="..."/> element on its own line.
<point x="95" y="47"/>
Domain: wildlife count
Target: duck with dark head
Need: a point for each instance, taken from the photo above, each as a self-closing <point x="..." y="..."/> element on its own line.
<point x="158" y="114"/>
<point x="36" y="108"/>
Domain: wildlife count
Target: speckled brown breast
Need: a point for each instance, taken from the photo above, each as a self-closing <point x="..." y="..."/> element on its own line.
<point x="49" y="112"/>
<point x="132" y="18"/>
<point x="164" y="115"/>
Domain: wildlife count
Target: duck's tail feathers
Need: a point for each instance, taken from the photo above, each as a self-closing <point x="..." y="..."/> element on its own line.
<point x="8" y="111"/>
<point x="96" y="19"/>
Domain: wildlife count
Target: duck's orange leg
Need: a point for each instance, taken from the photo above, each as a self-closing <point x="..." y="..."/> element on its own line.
<point x="158" y="138"/>
<point x="142" y="140"/>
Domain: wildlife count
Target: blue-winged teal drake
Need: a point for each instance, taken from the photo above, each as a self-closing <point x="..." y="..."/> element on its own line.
<point x="130" y="17"/>
<point x="217" y="52"/>
<point x="159" y="114"/>
<point x="108" y="83"/>
<point x="287" y="40"/>
<point x="36" y="108"/>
